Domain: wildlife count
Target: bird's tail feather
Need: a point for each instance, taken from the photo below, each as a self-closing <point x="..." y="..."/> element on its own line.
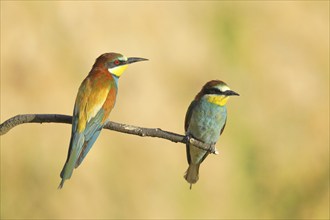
<point x="76" y="143"/>
<point x="66" y="173"/>
<point x="191" y="174"/>
<point x="61" y="184"/>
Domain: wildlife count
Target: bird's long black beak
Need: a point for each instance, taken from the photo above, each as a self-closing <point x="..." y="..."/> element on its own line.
<point x="231" y="93"/>
<point x="135" y="59"/>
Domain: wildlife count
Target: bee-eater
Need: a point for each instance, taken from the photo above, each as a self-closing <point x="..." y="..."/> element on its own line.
<point x="205" y="121"/>
<point x="95" y="100"/>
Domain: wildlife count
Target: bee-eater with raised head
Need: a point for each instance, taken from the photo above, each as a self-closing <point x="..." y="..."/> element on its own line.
<point x="95" y="100"/>
<point x="205" y="121"/>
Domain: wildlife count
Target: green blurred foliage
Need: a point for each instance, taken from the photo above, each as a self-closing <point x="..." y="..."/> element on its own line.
<point x="274" y="153"/>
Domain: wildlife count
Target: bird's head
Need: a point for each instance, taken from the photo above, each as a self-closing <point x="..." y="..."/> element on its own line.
<point x="216" y="92"/>
<point x="115" y="63"/>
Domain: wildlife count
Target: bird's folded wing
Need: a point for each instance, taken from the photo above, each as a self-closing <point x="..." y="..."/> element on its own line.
<point x="88" y="118"/>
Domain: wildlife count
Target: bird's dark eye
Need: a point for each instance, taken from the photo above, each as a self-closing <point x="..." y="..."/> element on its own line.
<point x="116" y="62"/>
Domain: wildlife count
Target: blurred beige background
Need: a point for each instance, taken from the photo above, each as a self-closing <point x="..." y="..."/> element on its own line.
<point x="274" y="153"/>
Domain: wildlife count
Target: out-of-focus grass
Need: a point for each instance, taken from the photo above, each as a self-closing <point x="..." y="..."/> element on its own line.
<point x="274" y="153"/>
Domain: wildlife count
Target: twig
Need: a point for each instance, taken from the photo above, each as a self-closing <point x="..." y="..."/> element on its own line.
<point x="123" y="128"/>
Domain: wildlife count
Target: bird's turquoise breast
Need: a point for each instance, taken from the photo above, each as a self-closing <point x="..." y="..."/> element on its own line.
<point x="207" y="120"/>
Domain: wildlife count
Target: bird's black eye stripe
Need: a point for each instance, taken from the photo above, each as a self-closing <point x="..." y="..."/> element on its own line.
<point x="213" y="91"/>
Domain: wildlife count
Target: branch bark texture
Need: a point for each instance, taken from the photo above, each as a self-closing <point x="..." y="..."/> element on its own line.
<point x="123" y="128"/>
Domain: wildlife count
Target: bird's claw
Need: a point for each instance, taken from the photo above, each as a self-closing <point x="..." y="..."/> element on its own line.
<point x="187" y="138"/>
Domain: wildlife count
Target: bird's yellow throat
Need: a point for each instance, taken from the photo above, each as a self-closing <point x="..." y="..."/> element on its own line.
<point x="218" y="100"/>
<point x="118" y="70"/>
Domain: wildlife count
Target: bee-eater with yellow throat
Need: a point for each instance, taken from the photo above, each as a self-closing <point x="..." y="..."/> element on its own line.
<point x="205" y="121"/>
<point x="95" y="100"/>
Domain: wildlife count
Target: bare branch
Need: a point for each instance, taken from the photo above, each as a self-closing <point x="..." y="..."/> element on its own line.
<point x="123" y="128"/>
